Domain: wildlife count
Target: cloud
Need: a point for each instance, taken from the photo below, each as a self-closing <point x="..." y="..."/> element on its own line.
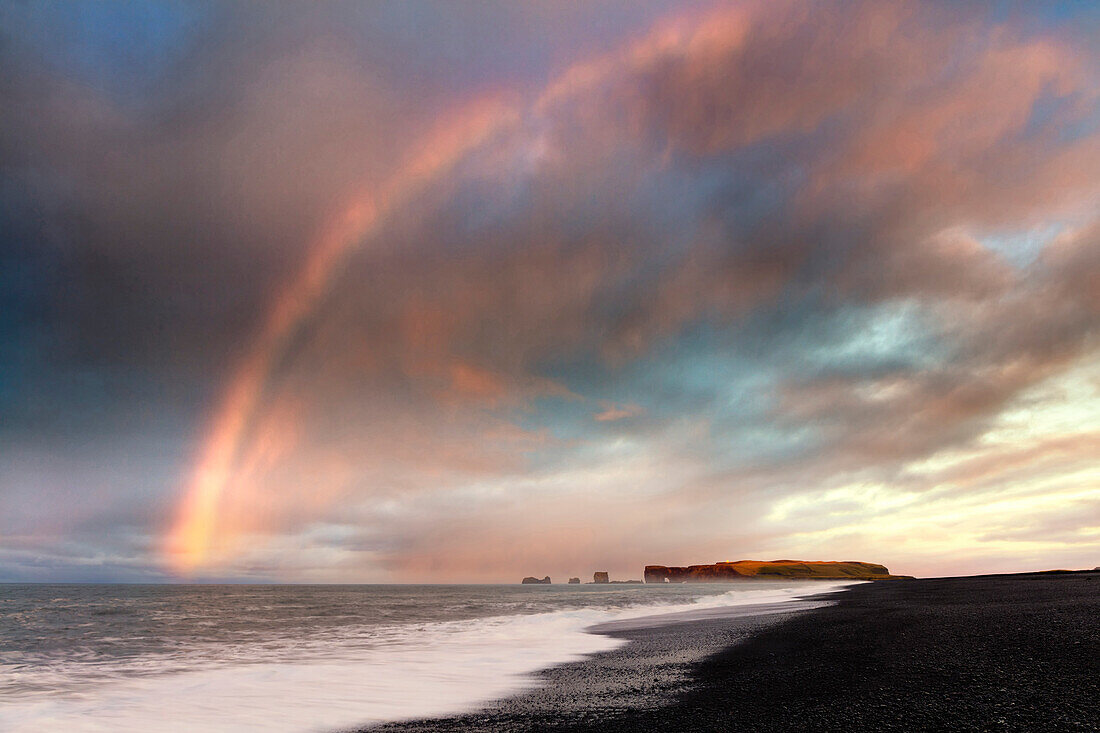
<point x="612" y="412"/>
<point x="418" y="313"/>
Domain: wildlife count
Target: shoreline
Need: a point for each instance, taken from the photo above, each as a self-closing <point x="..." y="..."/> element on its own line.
<point x="648" y="673"/>
<point x="994" y="652"/>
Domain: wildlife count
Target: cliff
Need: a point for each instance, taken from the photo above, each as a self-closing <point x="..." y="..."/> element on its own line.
<point x="723" y="572"/>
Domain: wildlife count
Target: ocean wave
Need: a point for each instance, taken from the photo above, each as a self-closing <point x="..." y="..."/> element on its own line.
<point x="341" y="677"/>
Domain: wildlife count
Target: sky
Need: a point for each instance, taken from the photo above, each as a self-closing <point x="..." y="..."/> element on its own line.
<point x="463" y="292"/>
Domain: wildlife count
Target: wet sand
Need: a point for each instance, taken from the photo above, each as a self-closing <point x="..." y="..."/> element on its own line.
<point x="990" y="653"/>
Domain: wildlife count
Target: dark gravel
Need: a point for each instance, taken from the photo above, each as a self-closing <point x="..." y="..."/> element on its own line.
<point x="991" y="653"/>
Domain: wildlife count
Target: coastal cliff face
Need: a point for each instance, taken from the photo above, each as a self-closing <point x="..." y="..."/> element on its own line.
<point x="724" y="572"/>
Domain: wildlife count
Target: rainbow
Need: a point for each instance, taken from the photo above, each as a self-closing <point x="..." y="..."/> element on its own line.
<point x="191" y="539"/>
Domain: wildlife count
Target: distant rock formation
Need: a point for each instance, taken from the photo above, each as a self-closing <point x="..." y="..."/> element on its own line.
<point x="600" y="577"/>
<point x="723" y="572"/>
<point x="574" y="581"/>
<point x="535" y="581"/>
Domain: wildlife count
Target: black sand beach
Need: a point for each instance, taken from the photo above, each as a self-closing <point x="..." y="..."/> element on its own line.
<point x="990" y="653"/>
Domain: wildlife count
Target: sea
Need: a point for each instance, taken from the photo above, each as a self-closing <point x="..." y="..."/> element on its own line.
<point x="311" y="657"/>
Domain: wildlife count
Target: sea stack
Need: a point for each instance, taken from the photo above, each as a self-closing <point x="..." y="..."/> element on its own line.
<point x="529" y="580"/>
<point x="600" y="577"/>
<point x="574" y="581"/>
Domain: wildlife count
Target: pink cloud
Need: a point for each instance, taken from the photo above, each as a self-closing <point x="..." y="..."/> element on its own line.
<point x="612" y="411"/>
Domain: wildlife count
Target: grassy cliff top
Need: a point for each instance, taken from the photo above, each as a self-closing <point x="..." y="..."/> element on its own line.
<point x="777" y="569"/>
